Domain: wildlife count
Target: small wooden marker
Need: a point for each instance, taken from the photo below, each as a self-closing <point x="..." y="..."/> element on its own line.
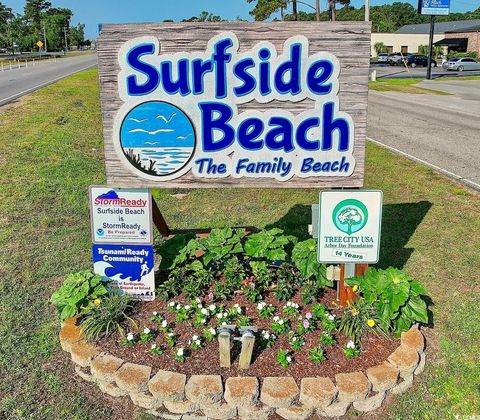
<point x="248" y="342"/>
<point x="224" y="344"/>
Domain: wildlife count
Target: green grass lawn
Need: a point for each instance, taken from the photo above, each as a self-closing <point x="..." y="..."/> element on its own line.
<point x="51" y="151"/>
<point x="409" y="85"/>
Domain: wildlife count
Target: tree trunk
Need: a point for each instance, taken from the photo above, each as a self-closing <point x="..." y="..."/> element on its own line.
<point x="294" y="10"/>
<point x="332" y="12"/>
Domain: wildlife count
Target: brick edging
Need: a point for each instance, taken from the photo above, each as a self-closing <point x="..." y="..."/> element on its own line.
<point x="169" y="395"/>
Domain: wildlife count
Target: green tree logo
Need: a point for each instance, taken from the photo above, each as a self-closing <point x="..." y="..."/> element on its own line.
<point x="350" y="216"/>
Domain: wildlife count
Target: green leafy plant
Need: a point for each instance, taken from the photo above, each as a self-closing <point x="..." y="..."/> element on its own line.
<point x="78" y="293"/>
<point x="280" y="325"/>
<point x="399" y="300"/>
<point x="265" y="310"/>
<point x="262" y="275"/>
<point x="129" y="339"/>
<point x="224" y="289"/>
<point x="196" y="342"/>
<point x="319" y="311"/>
<point x="221" y="243"/>
<point x="252" y="293"/>
<point x="268" y="244"/>
<point x="180" y="355"/>
<point x="291" y="309"/>
<point x="304" y="256"/>
<point x="168" y="289"/>
<point x="209" y="334"/>
<point x="266" y="339"/>
<point x="170" y="248"/>
<point x="316" y="355"/>
<point x="327" y="339"/>
<point x="296" y="341"/>
<point x="147" y="335"/>
<point x="283" y="289"/>
<point x="329" y="323"/>
<point x="284" y="358"/>
<point x="156" y="350"/>
<point x="243" y="321"/>
<point x="170" y="339"/>
<point x="351" y="350"/>
<point x="109" y="316"/>
<point x="307" y="324"/>
<point x="156" y="317"/>
<point x="183" y="312"/>
<point x="361" y="318"/>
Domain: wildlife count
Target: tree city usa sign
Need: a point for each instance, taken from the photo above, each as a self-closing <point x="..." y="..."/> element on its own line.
<point x="231" y="105"/>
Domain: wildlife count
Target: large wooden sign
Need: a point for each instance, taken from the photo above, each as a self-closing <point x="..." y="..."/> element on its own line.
<point x="235" y="104"/>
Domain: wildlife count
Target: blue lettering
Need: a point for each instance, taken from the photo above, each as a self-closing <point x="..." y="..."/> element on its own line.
<point x="133" y="60"/>
<point x="264" y="55"/>
<point x="221" y="58"/>
<point x="318" y="74"/>
<point x="181" y="85"/>
<point x="283" y="131"/>
<point x="294" y="67"/>
<point x="330" y="125"/>
<point x="200" y="68"/>
<point x="249" y="82"/>
<point x="302" y="131"/>
<point x="210" y="125"/>
<point x="248" y="131"/>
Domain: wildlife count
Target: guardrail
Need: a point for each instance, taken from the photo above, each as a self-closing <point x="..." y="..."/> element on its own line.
<point x="19" y="63"/>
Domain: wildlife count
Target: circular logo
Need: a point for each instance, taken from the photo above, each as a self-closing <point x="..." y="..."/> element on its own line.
<point x="157" y="138"/>
<point x="350" y="216"/>
<point x="100" y="232"/>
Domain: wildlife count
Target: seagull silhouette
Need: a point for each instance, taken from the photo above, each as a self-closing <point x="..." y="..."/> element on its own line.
<point x="167" y="121"/>
<point x="152" y="133"/>
<point x="184" y="137"/>
<point x="138" y="121"/>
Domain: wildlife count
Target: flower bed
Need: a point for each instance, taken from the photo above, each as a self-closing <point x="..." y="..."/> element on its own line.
<point x="268" y="282"/>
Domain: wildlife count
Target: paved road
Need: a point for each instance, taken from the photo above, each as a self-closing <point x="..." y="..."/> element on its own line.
<point x="18" y="82"/>
<point x="385" y="71"/>
<point x="440" y="131"/>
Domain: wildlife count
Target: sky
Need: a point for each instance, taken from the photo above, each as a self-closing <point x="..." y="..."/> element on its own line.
<point x="93" y="12"/>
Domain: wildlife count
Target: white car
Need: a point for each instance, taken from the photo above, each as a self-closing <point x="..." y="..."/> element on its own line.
<point x="461" y="64"/>
<point x="382" y="58"/>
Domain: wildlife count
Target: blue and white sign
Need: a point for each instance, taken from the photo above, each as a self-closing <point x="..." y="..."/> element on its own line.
<point x="434" y="7"/>
<point x="130" y="267"/>
<point x="121" y="215"/>
<point x="182" y="114"/>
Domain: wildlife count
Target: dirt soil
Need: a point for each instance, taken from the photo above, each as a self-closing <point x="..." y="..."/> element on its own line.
<point x="205" y="361"/>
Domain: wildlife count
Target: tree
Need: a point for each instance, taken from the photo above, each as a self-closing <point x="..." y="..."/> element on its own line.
<point x="77" y="35"/>
<point x="332" y="10"/>
<point x="379" y="47"/>
<point x="350" y="216"/>
<point x="265" y="8"/>
<point x="204" y="17"/>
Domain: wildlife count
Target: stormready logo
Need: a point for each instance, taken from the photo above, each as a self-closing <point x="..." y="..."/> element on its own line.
<point x="111" y="198"/>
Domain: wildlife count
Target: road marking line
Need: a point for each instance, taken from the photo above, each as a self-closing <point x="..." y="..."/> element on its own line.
<point x="18" y="95"/>
<point x="472" y="184"/>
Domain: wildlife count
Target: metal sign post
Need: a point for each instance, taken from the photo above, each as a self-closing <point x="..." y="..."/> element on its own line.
<point x="430" y="47"/>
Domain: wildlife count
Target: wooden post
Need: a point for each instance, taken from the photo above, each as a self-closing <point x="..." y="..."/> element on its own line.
<point x="159" y="220"/>
<point x="346" y="293"/>
<point x="224" y="347"/>
<point x="248" y="342"/>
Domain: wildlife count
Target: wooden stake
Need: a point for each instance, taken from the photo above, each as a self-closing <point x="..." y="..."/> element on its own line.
<point x="248" y="342"/>
<point x="346" y="293"/>
<point x="159" y="220"/>
<point x="224" y="347"/>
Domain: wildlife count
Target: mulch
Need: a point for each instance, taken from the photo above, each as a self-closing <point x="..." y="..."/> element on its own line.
<point x="205" y="361"/>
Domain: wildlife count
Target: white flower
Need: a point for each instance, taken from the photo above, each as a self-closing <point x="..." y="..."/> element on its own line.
<point x="295" y="305"/>
<point x="266" y="335"/>
<point x="204" y="321"/>
<point x="212" y="331"/>
<point x="220" y="316"/>
<point x="225" y="314"/>
<point x="154" y="346"/>
<point x="294" y="338"/>
<point x="236" y="305"/>
<point x="276" y="318"/>
<point x="239" y="310"/>
<point x="187" y="307"/>
<point x="170" y="334"/>
<point x="289" y="359"/>
<point x="212" y="307"/>
<point x="164" y="323"/>
<point x="154" y="313"/>
<point x="331" y="317"/>
<point x="146" y="331"/>
<point x="204" y="311"/>
<point x="171" y="304"/>
<point x="180" y="352"/>
<point x="198" y="300"/>
<point x="130" y="336"/>
<point x="280" y="321"/>
<point x="350" y="345"/>
<point x="197" y="342"/>
<point x="224" y="323"/>
<point x="261" y="305"/>
<point x="178" y="306"/>
<point x="194" y="337"/>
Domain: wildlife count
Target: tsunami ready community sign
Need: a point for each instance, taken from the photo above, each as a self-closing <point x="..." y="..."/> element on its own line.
<point x="349" y="226"/>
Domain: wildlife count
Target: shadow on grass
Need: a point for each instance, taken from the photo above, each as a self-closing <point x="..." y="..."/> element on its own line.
<point x="399" y="223"/>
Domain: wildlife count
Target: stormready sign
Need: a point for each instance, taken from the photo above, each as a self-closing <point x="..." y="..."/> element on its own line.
<point x="205" y="105"/>
<point x="349" y="226"/>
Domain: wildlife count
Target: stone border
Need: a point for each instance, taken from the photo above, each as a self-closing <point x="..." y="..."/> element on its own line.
<point x="169" y="395"/>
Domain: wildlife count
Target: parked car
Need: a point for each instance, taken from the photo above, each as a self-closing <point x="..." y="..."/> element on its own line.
<point x="382" y="58"/>
<point x="414" y="60"/>
<point x="396" y="58"/>
<point x="461" y="64"/>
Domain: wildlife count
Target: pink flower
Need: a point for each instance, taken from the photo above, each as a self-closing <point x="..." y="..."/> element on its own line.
<point x="308" y="315"/>
<point x="306" y="324"/>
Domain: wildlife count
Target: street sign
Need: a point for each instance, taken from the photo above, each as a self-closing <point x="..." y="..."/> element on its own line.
<point x="434" y="7"/>
<point x="199" y="105"/>
<point x="130" y="267"/>
<point x="39" y="44"/>
<point x="121" y="215"/>
<point x="349" y="226"/>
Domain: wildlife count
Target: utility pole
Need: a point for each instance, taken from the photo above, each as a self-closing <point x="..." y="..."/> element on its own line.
<point x="44" y="39"/>
<point x="430" y="47"/>
<point x="367" y="10"/>
<point x="66" y="41"/>
<point x="317" y="7"/>
<point x="294" y="10"/>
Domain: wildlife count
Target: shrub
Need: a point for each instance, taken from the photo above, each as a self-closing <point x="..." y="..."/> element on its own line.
<point x="107" y="317"/>
<point x="283" y="358"/>
<point x="78" y="293"/>
<point x="268" y="244"/>
<point x="398" y="299"/>
<point x="316" y="355"/>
